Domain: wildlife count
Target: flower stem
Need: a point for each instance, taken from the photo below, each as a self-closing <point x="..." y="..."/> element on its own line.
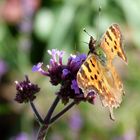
<point x="49" y="114"/>
<point x="42" y="131"/>
<point x="62" y="112"/>
<point x="36" y="113"/>
<point x="44" y="128"/>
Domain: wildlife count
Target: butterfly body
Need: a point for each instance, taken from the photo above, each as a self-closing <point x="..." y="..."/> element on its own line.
<point x="101" y="56"/>
<point x="98" y="74"/>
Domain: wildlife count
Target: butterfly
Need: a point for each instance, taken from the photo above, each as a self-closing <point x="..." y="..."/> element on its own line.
<point x="98" y="74"/>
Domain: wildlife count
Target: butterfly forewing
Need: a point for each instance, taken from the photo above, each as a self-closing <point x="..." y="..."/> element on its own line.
<point x="89" y="76"/>
<point x="92" y="77"/>
<point x="111" y="43"/>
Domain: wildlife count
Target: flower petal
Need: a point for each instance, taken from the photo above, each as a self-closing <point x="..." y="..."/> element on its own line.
<point x="65" y="72"/>
<point x="75" y="87"/>
<point x="39" y="69"/>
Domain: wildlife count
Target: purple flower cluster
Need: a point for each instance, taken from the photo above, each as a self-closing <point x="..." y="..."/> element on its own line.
<point x="59" y="73"/>
<point x="26" y="91"/>
<point x="65" y="75"/>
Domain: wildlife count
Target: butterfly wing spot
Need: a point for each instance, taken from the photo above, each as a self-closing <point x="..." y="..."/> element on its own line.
<point x="119" y="54"/>
<point x="92" y="63"/>
<point x="115" y="42"/>
<point x="100" y="84"/>
<point x="91" y="78"/>
<point x="87" y="66"/>
<point x="115" y="30"/>
<point x="95" y="76"/>
<point x="112" y="50"/>
<point x="107" y="42"/>
<point x="115" y="47"/>
<point x="107" y="33"/>
<point x="98" y="72"/>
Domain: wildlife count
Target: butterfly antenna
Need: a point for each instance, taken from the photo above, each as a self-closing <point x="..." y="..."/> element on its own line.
<point x="85" y="42"/>
<point x="86" y="32"/>
<point x="98" y="21"/>
<point x="75" y="49"/>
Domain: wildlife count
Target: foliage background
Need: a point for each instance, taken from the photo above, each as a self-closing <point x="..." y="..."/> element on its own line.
<point x="29" y="28"/>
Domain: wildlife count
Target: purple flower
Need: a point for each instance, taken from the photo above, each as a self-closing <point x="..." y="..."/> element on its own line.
<point x="54" y="69"/>
<point x="39" y="69"/>
<point x="75" y="121"/>
<point x="65" y="75"/>
<point x="26" y="91"/>
<point x="75" y="87"/>
<point x="56" y="54"/>
<point x="28" y="10"/>
<point x="22" y="136"/>
<point x="75" y="62"/>
<point x="128" y="135"/>
<point x="60" y="54"/>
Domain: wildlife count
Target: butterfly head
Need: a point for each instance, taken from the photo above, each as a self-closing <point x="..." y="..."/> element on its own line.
<point x="92" y="42"/>
<point x="92" y="45"/>
<point x="95" y="49"/>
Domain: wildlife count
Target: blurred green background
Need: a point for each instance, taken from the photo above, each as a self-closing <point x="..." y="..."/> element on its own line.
<point x="28" y="28"/>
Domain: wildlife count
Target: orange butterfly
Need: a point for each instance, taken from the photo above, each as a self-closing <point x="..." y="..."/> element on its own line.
<point x="98" y="74"/>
